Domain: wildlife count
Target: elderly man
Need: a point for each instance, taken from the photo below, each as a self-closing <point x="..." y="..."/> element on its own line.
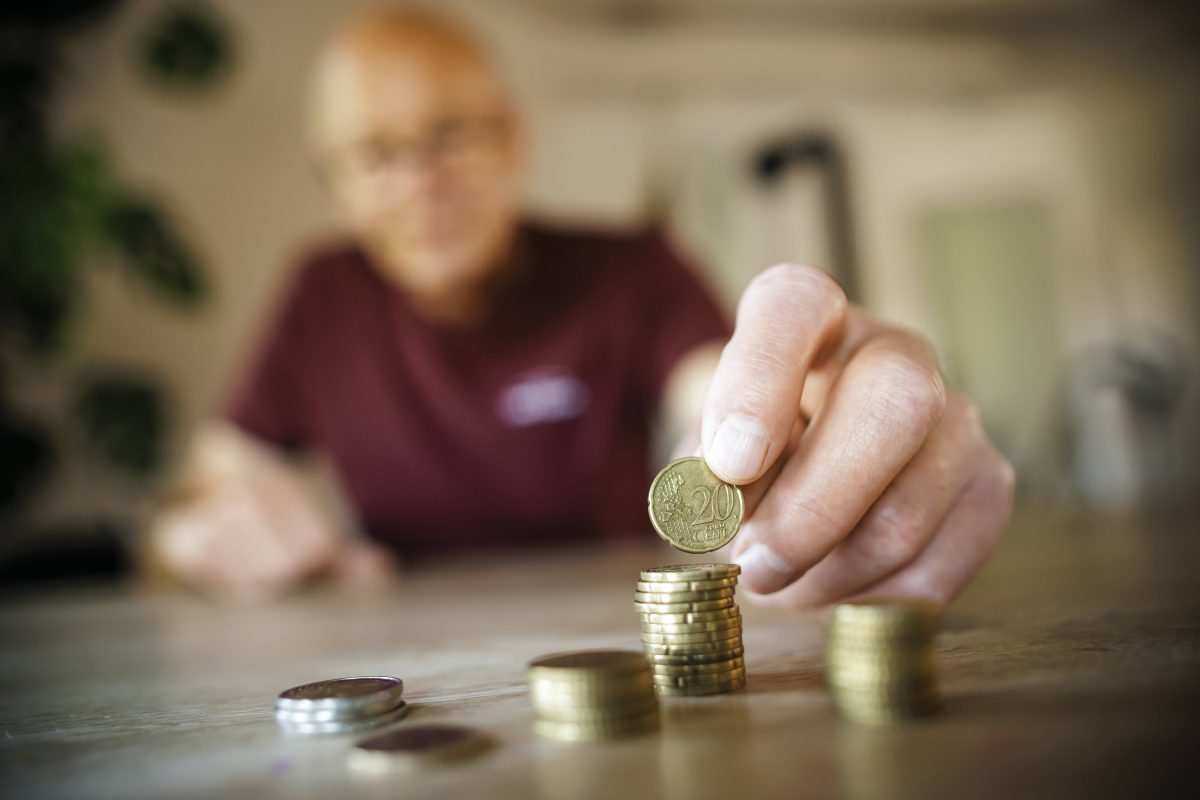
<point x="480" y="381"/>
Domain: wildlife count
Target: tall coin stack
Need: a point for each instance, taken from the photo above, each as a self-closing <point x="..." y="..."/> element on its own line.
<point x="879" y="660"/>
<point x="341" y="705"/>
<point x="592" y="694"/>
<point x="692" y="628"/>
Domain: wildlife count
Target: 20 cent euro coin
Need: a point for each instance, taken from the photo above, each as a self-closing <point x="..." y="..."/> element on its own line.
<point x="692" y="508"/>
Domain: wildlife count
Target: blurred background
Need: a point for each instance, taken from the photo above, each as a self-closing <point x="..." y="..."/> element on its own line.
<point x="1015" y="178"/>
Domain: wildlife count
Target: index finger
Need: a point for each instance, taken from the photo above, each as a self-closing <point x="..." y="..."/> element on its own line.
<point x="785" y="318"/>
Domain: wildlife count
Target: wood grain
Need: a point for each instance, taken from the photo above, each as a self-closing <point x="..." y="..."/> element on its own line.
<point x="1071" y="668"/>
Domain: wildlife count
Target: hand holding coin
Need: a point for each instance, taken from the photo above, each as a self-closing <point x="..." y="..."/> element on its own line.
<point x="861" y="471"/>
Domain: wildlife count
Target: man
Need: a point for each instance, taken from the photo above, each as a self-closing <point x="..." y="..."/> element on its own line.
<point x="479" y="382"/>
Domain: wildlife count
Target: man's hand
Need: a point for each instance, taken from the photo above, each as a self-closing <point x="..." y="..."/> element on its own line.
<point x="242" y="526"/>
<point x="862" y="473"/>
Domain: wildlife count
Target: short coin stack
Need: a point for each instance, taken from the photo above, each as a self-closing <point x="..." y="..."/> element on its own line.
<point x="341" y="705"/>
<point x="593" y="694"/>
<point x="879" y="660"/>
<point x="692" y="628"/>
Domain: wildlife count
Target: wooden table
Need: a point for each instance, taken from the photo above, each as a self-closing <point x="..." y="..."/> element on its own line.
<point x="1071" y="667"/>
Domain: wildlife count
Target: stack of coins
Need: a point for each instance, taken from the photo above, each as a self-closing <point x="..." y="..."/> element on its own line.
<point x="879" y="660"/>
<point x="692" y="628"/>
<point x="593" y="694"/>
<point x="341" y="705"/>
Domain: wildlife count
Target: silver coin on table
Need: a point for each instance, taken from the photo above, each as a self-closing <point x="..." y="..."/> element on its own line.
<point x="354" y="697"/>
<point x="290" y="724"/>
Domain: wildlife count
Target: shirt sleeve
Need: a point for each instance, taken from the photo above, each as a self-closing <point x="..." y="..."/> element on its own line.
<point x="269" y="401"/>
<point x="679" y="314"/>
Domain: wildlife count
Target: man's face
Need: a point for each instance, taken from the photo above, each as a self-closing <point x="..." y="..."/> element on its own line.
<point x="419" y="150"/>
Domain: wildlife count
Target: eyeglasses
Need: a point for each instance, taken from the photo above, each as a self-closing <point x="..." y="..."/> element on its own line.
<point x="450" y="143"/>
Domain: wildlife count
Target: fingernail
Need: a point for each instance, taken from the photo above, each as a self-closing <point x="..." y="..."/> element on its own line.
<point x="738" y="448"/>
<point x="763" y="570"/>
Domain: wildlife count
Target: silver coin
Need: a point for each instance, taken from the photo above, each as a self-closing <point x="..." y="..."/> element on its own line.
<point x="353" y="697"/>
<point x="343" y="726"/>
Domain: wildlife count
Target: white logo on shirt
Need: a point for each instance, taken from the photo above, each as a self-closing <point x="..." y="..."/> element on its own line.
<point x="548" y="395"/>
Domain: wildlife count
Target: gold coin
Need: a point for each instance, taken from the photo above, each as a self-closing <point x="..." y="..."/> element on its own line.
<point x="700" y="689"/>
<point x="684" y="608"/>
<point x="701" y="626"/>
<point x="698" y="658"/>
<point x="690" y="638"/>
<point x="693" y="509"/>
<point x="586" y="665"/>
<point x="560" y="693"/>
<point x="890" y="614"/>
<point x="645" y="704"/>
<point x="679" y="617"/>
<point x="674" y="573"/>
<point x="699" y="669"/>
<point x="697" y="678"/>
<point x="687" y="586"/>
<point x="718" y="646"/>
<point x="683" y="597"/>
<point x="597" y="729"/>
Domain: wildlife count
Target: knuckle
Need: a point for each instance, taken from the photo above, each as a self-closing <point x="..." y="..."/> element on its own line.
<point x="914" y="387"/>
<point x="899" y="536"/>
<point x="800" y="281"/>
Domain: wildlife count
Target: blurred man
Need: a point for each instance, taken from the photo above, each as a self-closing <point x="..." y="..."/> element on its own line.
<point x="478" y="381"/>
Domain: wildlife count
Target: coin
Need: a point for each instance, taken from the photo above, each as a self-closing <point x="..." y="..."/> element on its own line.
<point x="698" y="658"/>
<point x="683" y="597"/>
<point x="353" y="696"/>
<point x="601" y="661"/>
<point x="687" y="586"/>
<point x="677" y="618"/>
<point x="559" y="694"/>
<point x="700" y="689"/>
<point x="674" y="573"/>
<point x="291" y="725"/>
<point x="683" y="608"/>
<point x="705" y="679"/>
<point x="692" y="648"/>
<point x="693" y="509"/>
<point x="642" y="705"/>
<point x="699" y="669"/>
<point x="598" y="729"/>
<point x="690" y="638"/>
<point x="704" y="626"/>
<point x="416" y="746"/>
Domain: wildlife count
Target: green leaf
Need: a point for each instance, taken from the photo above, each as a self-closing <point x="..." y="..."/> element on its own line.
<point x="154" y="254"/>
<point x="124" y="420"/>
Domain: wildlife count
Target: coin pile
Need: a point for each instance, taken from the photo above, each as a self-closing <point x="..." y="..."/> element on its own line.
<point x="592" y="694"/>
<point x="341" y="705"/>
<point x="879" y="660"/>
<point x="692" y="628"/>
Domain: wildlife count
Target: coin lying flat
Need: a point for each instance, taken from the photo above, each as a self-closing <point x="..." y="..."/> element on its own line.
<point x="693" y="509"/>
<point x="702" y="626"/>
<point x="683" y="597"/>
<point x="683" y="608"/>
<point x="291" y="725"/>
<point x="365" y="695"/>
<point x="687" y="586"/>
<point x="676" y="573"/>
<point x="597" y="729"/>
<point x="416" y="746"/>
<point x="674" y="618"/>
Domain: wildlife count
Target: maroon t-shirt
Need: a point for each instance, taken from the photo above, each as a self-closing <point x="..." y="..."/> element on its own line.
<point x="530" y="428"/>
